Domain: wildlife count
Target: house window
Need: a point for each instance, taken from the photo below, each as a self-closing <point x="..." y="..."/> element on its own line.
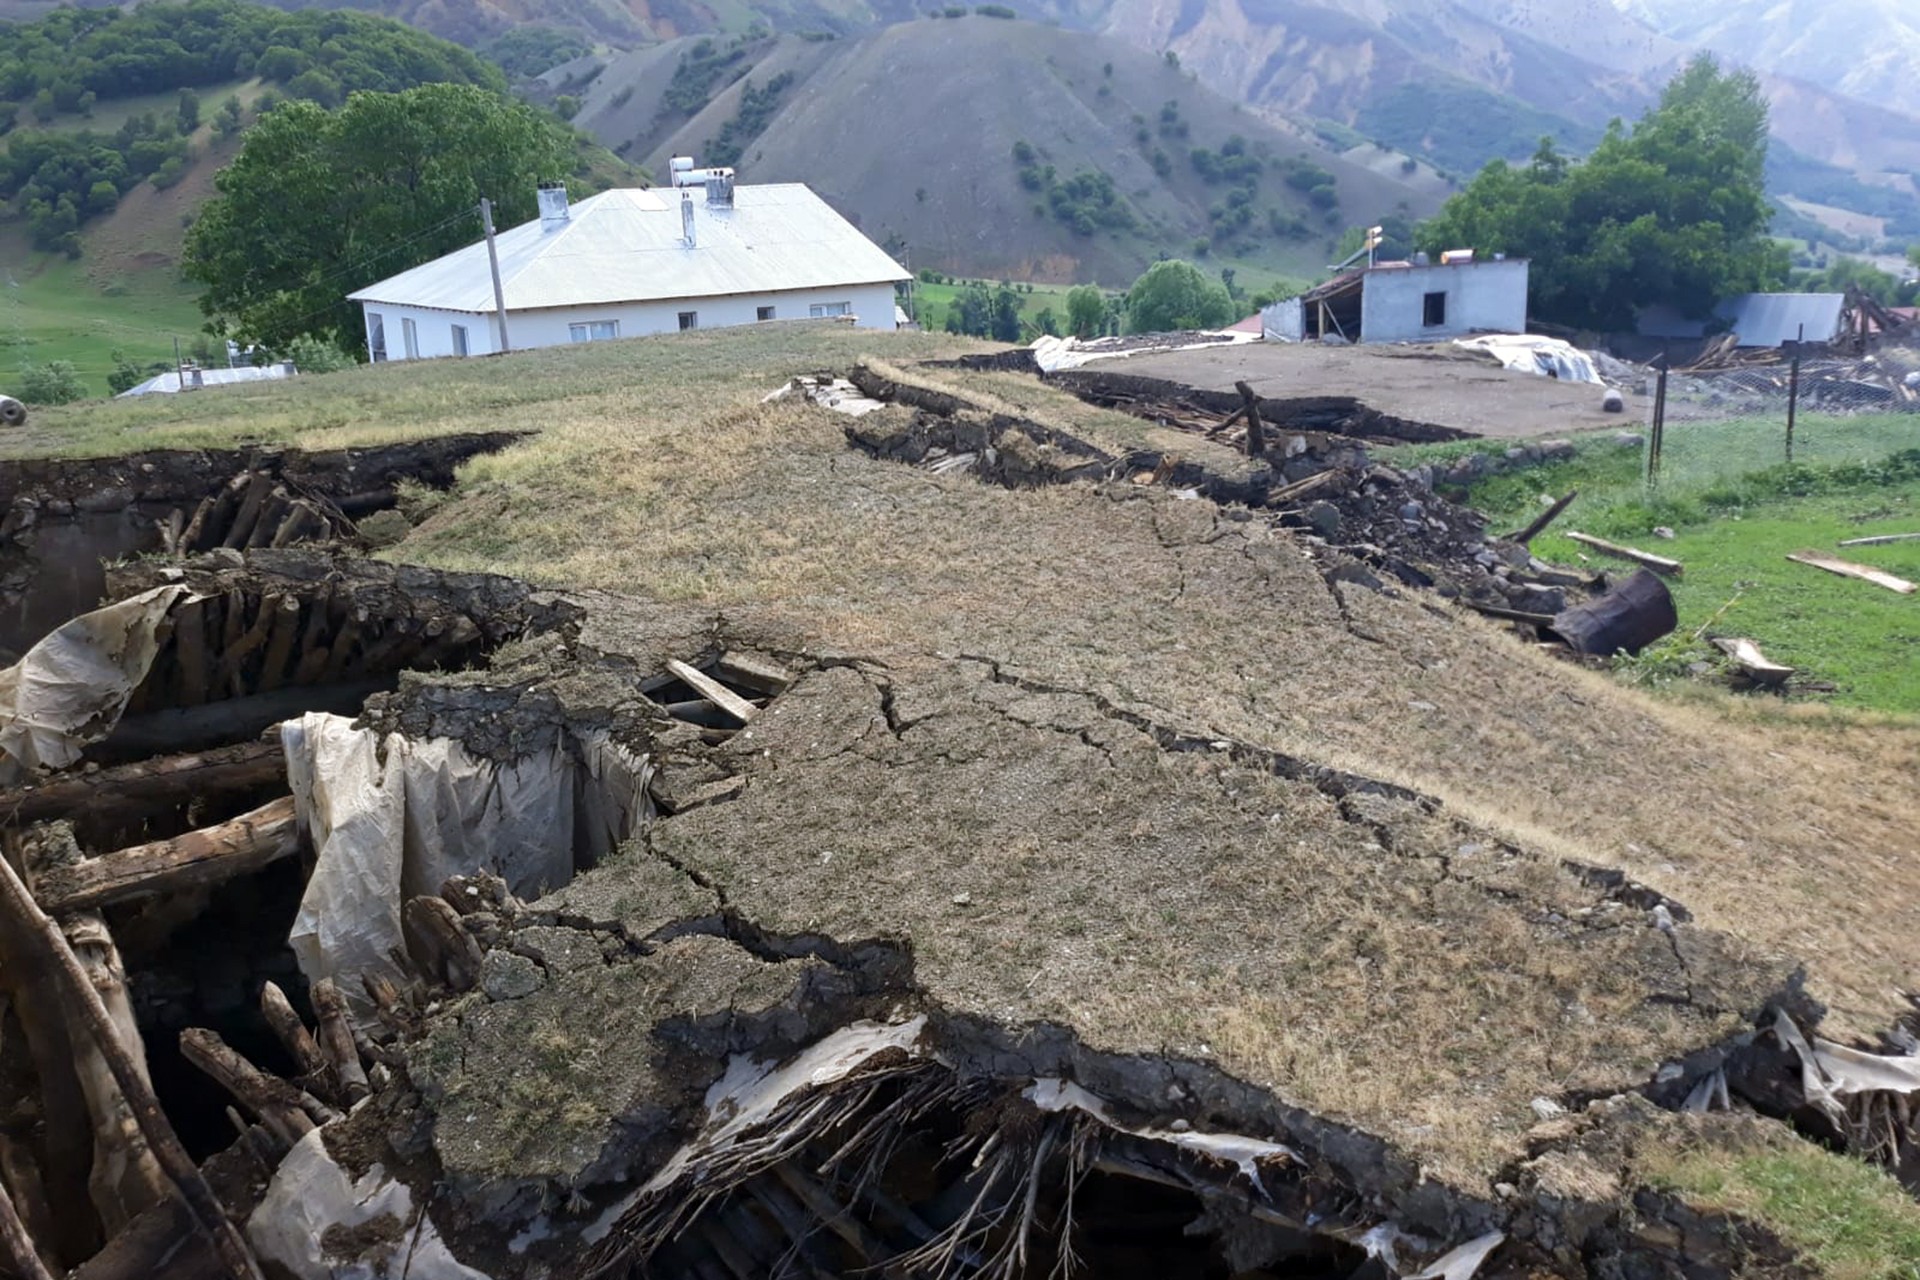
<point x="689" y="320"/>
<point x="459" y="339"/>
<point x="820" y="310"/>
<point x="376" y="337"/>
<point x="1435" y="310"/>
<point x="410" y="337"/>
<point x="763" y="313"/>
<point x="593" y="331"/>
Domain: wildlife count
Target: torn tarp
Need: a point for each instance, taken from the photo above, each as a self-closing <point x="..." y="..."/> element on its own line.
<point x="319" y="1224"/>
<point x="391" y="818"/>
<point x="1530" y="353"/>
<point x="70" y="689"/>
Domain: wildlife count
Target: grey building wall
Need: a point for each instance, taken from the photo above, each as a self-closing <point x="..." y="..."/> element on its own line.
<point x="1284" y="320"/>
<point x="1486" y="297"/>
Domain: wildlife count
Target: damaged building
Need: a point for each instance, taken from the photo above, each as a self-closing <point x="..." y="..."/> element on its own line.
<point x="1073" y="882"/>
<point x="1415" y="301"/>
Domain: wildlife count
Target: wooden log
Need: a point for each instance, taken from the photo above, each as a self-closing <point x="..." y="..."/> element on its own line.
<point x="190" y="536"/>
<point x="336" y="1041"/>
<point x="20" y="912"/>
<point x="1848" y="569"/>
<point x="217" y="723"/>
<point x="1628" y="618"/>
<point x="190" y="652"/>
<point x="1301" y="488"/>
<point x="147" y="785"/>
<point x="1256" y="433"/>
<point x="1752" y="663"/>
<point x="22" y="1255"/>
<point x="713" y="691"/>
<point x="259" y="485"/>
<point x="272" y="512"/>
<point x="196" y="859"/>
<point x="1510" y="615"/>
<point x="164" y="1241"/>
<point x="1881" y="540"/>
<point x="256" y="635"/>
<point x="286" y="628"/>
<point x="20" y="1174"/>
<point x="440" y="942"/>
<point x="762" y="675"/>
<point x="1541" y="521"/>
<point x="126" y="1180"/>
<point x="1646" y="559"/>
<point x="285" y="1021"/>
<point x="273" y="1100"/>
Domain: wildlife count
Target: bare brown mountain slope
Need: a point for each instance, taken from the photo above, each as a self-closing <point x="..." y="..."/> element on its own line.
<point x="902" y="132"/>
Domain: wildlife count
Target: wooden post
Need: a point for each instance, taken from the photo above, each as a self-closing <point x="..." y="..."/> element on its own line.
<point x="1793" y="394"/>
<point x="336" y="1041"/>
<point x="280" y="1015"/>
<point x="493" y="262"/>
<point x="1657" y="437"/>
<point x="1256" y="434"/>
<point x="22" y="913"/>
<point x="21" y="1254"/>
<point x="1542" y="520"/>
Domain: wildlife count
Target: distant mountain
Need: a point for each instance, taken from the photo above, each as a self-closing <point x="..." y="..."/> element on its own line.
<point x="1865" y="49"/>
<point x="999" y="148"/>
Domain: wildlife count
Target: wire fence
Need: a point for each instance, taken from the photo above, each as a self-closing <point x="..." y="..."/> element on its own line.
<point x="1795" y="406"/>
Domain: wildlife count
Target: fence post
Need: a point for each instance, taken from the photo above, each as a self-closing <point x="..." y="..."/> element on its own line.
<point x="1793" y="395"/>
<point x="1656" y="438"/>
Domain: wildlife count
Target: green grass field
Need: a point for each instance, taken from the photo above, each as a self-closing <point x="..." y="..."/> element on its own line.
<point x="1736" y="512"/>
<point x="52" y="309"/>
<point x="109" y="114"/>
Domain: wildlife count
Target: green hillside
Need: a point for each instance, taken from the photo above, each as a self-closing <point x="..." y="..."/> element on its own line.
<point x="1074" y="158"/>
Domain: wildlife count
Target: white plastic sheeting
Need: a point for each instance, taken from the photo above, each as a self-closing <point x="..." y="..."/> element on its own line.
<point x="71" y="688"/>
<point x="1053" y="354"/>
<point x="310" y="1195"/>
<point x="391" y="818"/>
<point x="1463" y="1262"/>
<point x="1832" y="1073"/>
<point x="1530" y="353"/>
<point x="1051" y="1094"/>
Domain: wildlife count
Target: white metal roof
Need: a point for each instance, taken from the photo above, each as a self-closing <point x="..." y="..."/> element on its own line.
<point x="626" y="246"/>
<point x="169" y="383"/>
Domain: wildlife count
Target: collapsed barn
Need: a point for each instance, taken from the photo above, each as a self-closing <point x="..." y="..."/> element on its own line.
<point x="377" y="920"/>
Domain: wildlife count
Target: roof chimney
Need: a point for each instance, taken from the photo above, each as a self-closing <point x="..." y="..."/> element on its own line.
<point x="686" y="217"/>
<point x="553" y="207"/>
<point x="720" y="188"/>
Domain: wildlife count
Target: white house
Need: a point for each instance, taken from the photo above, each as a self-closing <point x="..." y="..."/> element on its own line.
<point x="1408" y="302"/>
<point x="631" y="262"/>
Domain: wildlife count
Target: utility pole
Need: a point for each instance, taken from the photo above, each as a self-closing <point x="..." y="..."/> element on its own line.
<point x="493" y="261"/>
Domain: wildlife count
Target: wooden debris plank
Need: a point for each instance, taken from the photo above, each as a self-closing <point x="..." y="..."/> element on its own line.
<point x="147" y="783"/>
<point x="1754" y="664"/>
<point x="1848" y="569"/>
<point x="1301" y="488"/>
<point x="1881" y="540"/>
<point x="208" y="856"/>
<point x="713" y="691"/>
<point x="22" y="916"/>
<point x="1659" y="564"/>
<point x="755" y="672"/>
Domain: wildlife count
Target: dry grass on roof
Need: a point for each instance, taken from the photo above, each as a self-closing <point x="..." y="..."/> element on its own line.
<point x="1797" y="833"/>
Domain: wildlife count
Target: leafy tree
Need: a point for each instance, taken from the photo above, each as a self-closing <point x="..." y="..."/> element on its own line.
<point x="227" y="122"/>
<point x="1672" y="211"/>
<point x="318" y="203"/>
<point x="1913" y="256"/>
<point x="1004" y="323"/>
<point x="55" y="382"/>
<point x="127" y="375"/>
<point x="316" y="355"/>
<point x="1086" y="311"/>
<point x="188" y="111"/>
<point x="1176" y="295"/>
<point x="526" y="51"/>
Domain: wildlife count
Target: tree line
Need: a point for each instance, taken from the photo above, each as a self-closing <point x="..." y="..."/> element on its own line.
<point x="73" y="59"/>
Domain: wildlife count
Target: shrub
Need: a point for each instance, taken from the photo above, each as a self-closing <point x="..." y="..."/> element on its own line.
<point x="316" y="355"/>
<point x="55" y="382"/>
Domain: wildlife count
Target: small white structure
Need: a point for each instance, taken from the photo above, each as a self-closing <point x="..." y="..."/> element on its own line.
<point x="630" y="262"/>
<point x="1407" y="302"/>
<point x="193" y="378"/>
